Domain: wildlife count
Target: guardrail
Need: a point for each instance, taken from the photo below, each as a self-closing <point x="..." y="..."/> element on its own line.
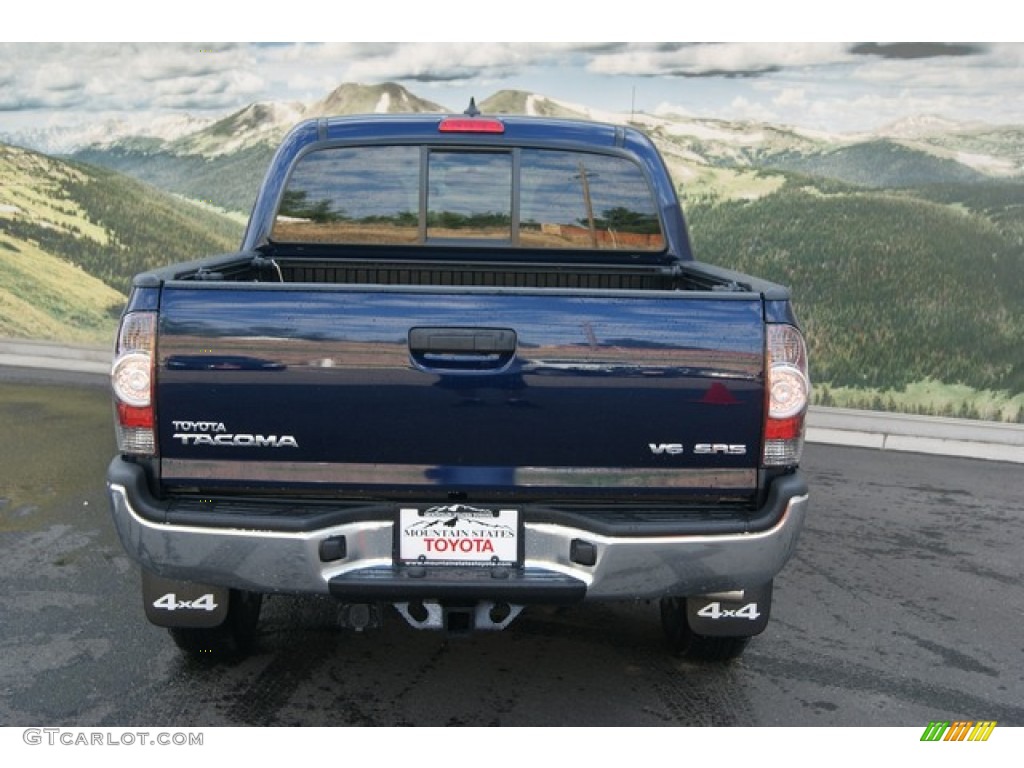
<point x="916" y="434"/>
<point x="48" y="355"/>
<point x="833" y="426"/>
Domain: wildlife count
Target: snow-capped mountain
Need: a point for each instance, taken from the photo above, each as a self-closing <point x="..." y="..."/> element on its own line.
<point x="921" y="126"/>
<point x="523" y="103"/>
<point x="354" y="98"/>
<point x="261" y="123"/>
<point x="265" y="123"/>
<point x="221" y="160"/>
<point x="65" y="139"/>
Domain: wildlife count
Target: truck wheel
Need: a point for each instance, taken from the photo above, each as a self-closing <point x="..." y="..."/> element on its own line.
<point x="234" y="638"/>
<point x="687" y="644"/>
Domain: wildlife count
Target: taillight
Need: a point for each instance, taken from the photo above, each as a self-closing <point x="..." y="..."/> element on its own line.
<point x="132" y="381"/>
<point x="789" y="393"/>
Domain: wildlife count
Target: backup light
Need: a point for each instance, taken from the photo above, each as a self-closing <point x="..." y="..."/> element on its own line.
<point x="130" y="378"/>
<point x="788" y="393"/>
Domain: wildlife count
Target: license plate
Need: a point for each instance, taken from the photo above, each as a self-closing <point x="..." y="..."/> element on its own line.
<point x="458" y="534"/>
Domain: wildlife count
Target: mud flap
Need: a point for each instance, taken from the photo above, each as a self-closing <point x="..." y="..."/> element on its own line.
<point x="742" y="613"/>
<point x="171" y="603"/>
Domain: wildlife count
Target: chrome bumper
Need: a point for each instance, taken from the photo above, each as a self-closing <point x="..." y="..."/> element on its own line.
<point x="624" y="568"/>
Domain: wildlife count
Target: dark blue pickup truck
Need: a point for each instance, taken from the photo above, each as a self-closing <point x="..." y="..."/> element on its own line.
<point x="462" y="365"/>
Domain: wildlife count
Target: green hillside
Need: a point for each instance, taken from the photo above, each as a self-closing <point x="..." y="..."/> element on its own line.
<point x="72" y="236"/>
<point x="876" y="164"/>
<point x="228" y="181"/>
<point x="45" y="297"/>
<point x="1000" y="202"/>
<point x="891" y="289"/>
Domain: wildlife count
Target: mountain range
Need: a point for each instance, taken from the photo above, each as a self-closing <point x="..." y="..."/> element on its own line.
<point x="222" y="160"/>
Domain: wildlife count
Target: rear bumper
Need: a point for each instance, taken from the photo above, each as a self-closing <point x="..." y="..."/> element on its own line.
<point x="354" y="561"/>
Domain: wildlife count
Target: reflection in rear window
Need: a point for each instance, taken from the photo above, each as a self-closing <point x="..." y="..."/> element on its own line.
<point x="352" y="195"/>
<point x="578" y="200"/>
<point x="469" y="195"/>
<point x="396" y="195"/>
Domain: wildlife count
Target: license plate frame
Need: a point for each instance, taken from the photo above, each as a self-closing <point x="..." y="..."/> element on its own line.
<point x="458" y="535"/>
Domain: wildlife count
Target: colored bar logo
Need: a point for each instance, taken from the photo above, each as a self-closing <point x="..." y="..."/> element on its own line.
<point x="961" y="730"/>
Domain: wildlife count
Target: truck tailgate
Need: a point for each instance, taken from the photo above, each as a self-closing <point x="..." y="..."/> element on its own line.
<point x="434" y="391"/>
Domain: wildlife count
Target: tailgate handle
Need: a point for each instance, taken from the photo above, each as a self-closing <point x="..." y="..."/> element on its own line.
<point x="462" y="348"/>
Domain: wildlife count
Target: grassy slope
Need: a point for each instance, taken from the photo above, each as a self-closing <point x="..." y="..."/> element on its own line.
<point x="149" y="228"/>
<point x="71" y="236"/>
<point x="45" y="297"/>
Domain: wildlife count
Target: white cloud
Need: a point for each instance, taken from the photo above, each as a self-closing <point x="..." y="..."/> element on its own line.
<point x="820" y="84"/>
<point x="791" y="97"/>
<point x="104" y="77"/>
<point x="703" y="59"/>
<point x="434" y="61"/>
<point x="742" y="108"/>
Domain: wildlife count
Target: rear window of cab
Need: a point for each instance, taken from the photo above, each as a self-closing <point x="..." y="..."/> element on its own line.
<point x="521" y="197"/>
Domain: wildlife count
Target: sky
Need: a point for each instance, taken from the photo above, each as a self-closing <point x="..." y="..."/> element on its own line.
<point x="835" y="87"/>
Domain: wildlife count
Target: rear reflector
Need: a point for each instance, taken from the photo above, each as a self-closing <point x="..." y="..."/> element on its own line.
<point x="471" y="125"/>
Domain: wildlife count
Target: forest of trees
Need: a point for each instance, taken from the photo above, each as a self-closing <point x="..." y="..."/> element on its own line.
<point x="891" y="288"/>
<point x="150" y="229"/>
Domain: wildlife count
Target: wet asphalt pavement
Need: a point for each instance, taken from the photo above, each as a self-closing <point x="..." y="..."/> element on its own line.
<point x="904" y="604"/>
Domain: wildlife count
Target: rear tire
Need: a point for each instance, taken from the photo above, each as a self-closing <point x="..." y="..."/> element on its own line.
<point x="687" y="644"/>
<point x="234" y="638"/>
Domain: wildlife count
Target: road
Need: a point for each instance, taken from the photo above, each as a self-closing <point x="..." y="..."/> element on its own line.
<point x="903" y="605"/>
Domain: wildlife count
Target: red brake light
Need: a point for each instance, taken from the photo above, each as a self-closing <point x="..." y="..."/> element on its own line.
<point x="471" y="125"/>
<point x="784" y="429"/>
<point x="131" y="417"/>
